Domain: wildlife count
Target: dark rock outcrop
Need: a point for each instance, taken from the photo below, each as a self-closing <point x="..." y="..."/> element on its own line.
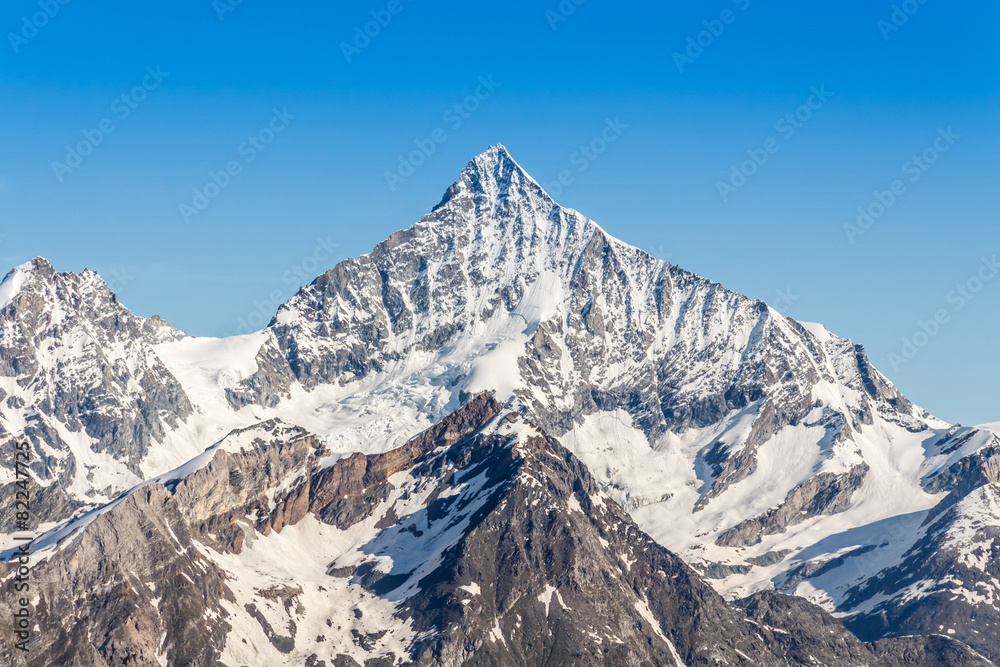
<point x="826" y="493"/>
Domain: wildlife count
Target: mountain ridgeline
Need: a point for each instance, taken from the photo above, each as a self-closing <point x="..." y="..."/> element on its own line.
<point x="502" y="437"/>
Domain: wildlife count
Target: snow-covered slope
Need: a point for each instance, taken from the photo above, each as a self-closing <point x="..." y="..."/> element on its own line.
<point x="758" y="448"/>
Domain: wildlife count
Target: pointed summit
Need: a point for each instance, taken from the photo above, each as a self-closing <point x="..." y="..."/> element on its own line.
<point x="494" y="175"/>
<point x="493" y="157"/>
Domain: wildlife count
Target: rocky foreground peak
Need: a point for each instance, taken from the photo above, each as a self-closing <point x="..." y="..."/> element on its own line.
<point x="480" y="541"/>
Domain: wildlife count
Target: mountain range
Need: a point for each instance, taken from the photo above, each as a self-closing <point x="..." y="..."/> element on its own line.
<point x="502" y="437"/>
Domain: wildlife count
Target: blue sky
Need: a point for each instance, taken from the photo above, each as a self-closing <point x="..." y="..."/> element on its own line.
<point x="187" y="94"/>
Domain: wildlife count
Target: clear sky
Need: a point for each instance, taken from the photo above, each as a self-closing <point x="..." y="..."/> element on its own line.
<point x="114" y="113"/>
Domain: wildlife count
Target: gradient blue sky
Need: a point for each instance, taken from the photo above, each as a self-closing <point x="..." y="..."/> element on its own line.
<point x="780" y="237"/>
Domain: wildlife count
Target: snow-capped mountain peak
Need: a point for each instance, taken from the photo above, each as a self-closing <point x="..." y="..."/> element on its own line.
<point x="751" y="444"/>
<point x="495" y="174"/>
<point x="79" y="381"/>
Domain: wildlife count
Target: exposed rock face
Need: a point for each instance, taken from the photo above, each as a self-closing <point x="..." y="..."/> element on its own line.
<point x="269" y="384"/>
<point x="928" y="651"/>
<point x="826" y="493"/>
<point x="130" y="587"/>
<point x="351" y="489"/>
<point x="78" y="372"/>
<point x="132" y="573"/>
<point x="489" y="542"/>
<point x="925" y="573"/>
<point x="545" y="570"/>
<point x="47" y="503"/>
<point x="218" y="499"/>
<point x="972" y="471"/>
<point x="813" y="637"/>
